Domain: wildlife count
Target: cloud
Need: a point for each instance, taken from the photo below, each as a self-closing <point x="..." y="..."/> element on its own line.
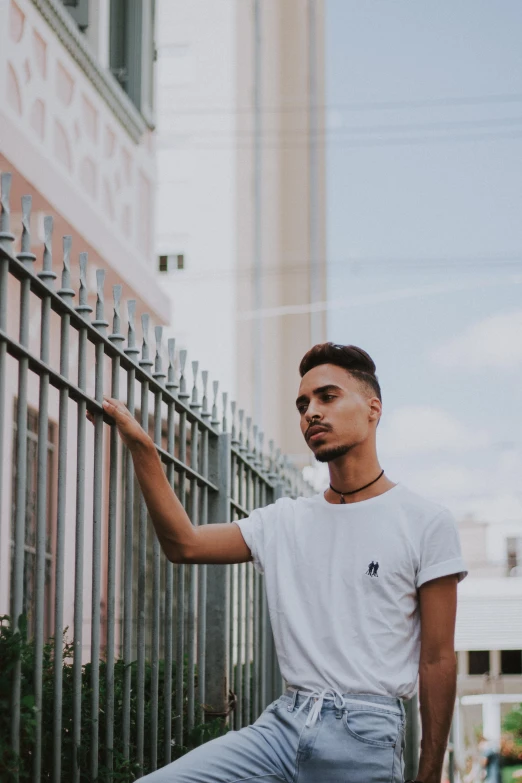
<point x="492" y="343"/>
<point x="424" y="429"/>
<point x="488" y="490"/>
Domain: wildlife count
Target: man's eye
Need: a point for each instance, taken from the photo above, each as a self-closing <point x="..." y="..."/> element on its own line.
<point x="301" y="408"/>
<point x="328" y="396"/>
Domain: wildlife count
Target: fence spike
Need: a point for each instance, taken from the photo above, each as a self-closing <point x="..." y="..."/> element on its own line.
<point x="194" y="404"/>
<point x="248" y="426"/>
<point x="261" y="456"/>
<point x="66" y="292"/>
<point x="6" y="238"/>
<point x="158" y="361"/>
<point x="83" y="307"/>
<point x="100" y="323"/>
<point x="215" y="390"/>
<point x="25" y="255"/>
<point x="272" y="473"/>
<point x="47" y="274"/>
<point x="205" y="413"/>
<point x="172" y="386"/>
<point x="241" y="416"/>
<point x="233" y="406"/>
<point x="253" y="450"/>
<point x="224" y="423"/>
<point x="145" y="361"/>
<point x="183" y="395"/>
<point x="132" y="349"/>
<point x="116" y="337"/>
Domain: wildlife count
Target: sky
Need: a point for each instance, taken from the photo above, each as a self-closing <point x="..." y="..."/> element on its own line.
<point x="424" y="236"/>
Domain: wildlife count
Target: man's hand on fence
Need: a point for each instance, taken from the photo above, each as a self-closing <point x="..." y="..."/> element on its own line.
<point x="130" y="431"/>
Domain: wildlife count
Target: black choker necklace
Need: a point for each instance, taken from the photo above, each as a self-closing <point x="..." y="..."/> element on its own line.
<point x="342" y="494"/>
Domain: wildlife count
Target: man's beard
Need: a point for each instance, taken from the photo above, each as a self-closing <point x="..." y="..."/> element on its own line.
<point x="327" y="455"/>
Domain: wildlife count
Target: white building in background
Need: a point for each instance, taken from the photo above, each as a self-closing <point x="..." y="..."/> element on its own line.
<point x="489" y="631"/>
<point x="76" y="132"/>
<point x="241" y="228"/>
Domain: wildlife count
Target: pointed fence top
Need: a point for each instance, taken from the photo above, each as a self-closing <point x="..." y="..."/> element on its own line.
<point x="66" y="292"/>
<point x="158" y="373"/>
<point x="172" y="385"/>
<point x="47" y="274"/>
<point x="100" y="323"/>
<point x="6" y="237"/>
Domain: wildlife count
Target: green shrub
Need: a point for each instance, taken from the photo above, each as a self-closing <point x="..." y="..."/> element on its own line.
<point x="16" y="646"/>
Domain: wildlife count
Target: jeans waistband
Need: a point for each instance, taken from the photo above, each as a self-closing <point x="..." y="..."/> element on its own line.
<point x="331" y="699"/>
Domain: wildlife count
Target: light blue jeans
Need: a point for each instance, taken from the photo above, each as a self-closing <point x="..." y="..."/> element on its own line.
<point x="348" y="738"/>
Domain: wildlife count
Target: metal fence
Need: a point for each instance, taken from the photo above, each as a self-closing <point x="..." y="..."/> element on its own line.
<point x="209" y="624"/>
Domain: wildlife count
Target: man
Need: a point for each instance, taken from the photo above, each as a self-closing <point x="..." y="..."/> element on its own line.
<point x="351" y="646"/>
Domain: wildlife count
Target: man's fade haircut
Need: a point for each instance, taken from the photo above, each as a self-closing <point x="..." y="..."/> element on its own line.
<point x="358" y="363"/>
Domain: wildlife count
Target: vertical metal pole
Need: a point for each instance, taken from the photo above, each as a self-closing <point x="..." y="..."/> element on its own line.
<point x="101" y="325"/>
<point x="180" y="619"/>
<point x="116" y="339"/>
<point x="233" y="568"/>
<point x="451" y="753"/>
<point x="67" y="293"/>
<point x="132" y="351"/>
<point x="248" y="614"/>
<point x="263" y="623"/>
<point x="193" y="569"/>
<point x="218" y="617"/>
<point x="169" y="573"/>
<point x="145" y="364"/>
<point x="256" y="622"/>
<point x="276" y="671"/>
<point x="21" y="470"/>
<point x="239" y="609"/>
<point x="411" y="756"/>
<point x="6" y="238"/>
<point x="159" y="376"/>
<point x="202" y="569"/>
<point x="47" y="275"/>
<point x="84" y="309"/>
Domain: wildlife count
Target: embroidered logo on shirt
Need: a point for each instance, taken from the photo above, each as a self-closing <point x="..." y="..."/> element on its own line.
<point x="372" y="569"/>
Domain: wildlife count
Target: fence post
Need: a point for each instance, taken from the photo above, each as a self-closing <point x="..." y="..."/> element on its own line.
<point x="218" y="585"/>
<point x="411" y="755"/>
<point x="277" y="677"/>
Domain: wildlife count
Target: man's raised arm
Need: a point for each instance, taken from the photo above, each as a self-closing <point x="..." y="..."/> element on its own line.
<point x="179" y="539"/>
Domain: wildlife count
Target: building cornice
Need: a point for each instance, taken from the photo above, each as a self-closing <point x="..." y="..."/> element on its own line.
<point x="102" y="80"/>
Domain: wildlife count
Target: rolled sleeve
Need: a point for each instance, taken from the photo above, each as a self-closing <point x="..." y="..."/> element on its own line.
<point x="441" y="553"/>
<point x="253" y="531"/>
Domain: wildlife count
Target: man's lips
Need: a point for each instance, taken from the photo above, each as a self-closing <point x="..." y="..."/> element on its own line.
<point x="315" y="432"/>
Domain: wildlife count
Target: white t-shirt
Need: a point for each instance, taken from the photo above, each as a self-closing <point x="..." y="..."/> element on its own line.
<point x="341" y="584"/>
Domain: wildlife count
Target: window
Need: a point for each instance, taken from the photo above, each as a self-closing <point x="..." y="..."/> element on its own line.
<point x="511" y="661"/>
<point x="30" y="520"/>
<point x="478" y="662"/>
<point x="173" y="261"/>
<point x="132" y="51"/>
<point x="79" y="10"/>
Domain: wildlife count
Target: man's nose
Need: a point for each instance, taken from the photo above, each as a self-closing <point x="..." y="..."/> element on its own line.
<point x="311" y="414"/>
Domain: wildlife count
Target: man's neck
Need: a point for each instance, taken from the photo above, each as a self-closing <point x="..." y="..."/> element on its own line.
<point x="351" y="478"/>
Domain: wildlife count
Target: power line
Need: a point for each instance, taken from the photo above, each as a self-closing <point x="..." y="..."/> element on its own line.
<point x="470" y="100"/>
<point x="305" y="134"/>
<point x="361" y="264"/>
<point x="352" y="144"/>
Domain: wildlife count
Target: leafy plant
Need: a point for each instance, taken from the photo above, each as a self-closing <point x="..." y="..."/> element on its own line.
<point x="511" y="747"/>
<point x="15" y="647"/>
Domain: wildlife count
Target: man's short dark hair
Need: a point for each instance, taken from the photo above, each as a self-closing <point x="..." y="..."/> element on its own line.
<point x="358" y="363"/>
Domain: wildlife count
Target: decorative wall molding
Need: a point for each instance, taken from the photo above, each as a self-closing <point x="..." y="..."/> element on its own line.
<point x="104" y="82"/>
